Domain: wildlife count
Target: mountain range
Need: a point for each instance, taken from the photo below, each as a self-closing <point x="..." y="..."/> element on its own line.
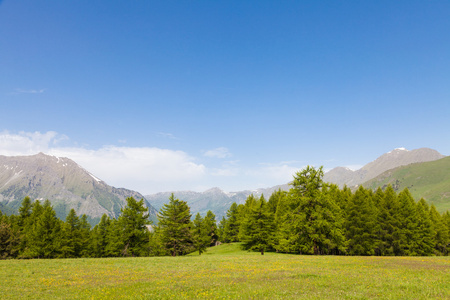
<point x="62" y="181"/>
<point x="219" y="201"/>
<point x="67" y="185"/>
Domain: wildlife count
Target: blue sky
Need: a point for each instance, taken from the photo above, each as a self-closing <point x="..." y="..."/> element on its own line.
<point x="176" y="95"/>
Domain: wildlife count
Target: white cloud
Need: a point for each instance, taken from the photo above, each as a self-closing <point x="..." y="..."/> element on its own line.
<point x="220" y="152"/>
<point x="281" y="172"/>
<point x="167" y="135"/>
<point x="22" y="91"/>
<point x="144" y="169"/>
<point x="27" y="143"/>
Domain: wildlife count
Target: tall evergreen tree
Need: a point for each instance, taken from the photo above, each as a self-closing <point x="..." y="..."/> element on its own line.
<point x="99" y="237"/>
<point x="314" y="224"/>
<point x="388" y="219"/>
<point x="133" y="221"/>
<point x="200" y="234"/>
<point x="441" y="238"/>
<point x="175" y="226"/>
<point x="361" y="224"/>
<point x="407" y="231"/>
<point x="71" y="240"/>
<point x="425" y="235"/>
<point x="257" y="228"/>
<point x="44" y="237"/>
<point x="231" y="227"/>
<point x="211" y="226"/>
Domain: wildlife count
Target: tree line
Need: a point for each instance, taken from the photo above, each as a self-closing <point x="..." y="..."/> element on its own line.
<point x="313" y="217"/>
<point x="36" y="232"/>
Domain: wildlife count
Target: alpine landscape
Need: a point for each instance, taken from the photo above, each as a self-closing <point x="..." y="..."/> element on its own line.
<point x="224" y="149"/>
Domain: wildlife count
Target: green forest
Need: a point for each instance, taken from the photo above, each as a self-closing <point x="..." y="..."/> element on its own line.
<point x="313" y="217"/>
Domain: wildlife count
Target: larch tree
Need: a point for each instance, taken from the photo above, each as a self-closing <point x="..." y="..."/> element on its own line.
<point x="175" y="227"/>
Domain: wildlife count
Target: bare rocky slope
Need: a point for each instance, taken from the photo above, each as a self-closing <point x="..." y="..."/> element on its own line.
<point x="62" y="181"/>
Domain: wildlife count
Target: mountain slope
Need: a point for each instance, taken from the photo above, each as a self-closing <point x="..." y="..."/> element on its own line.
<point x="395" y="158"/>
<point x="428" y="180"/>
<point x="63" y="182"/>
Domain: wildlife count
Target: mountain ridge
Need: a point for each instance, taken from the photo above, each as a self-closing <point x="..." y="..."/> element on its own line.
<point x="428" y="180"/>
<point x="392" y="159"/>
<point x="62" y="181"/>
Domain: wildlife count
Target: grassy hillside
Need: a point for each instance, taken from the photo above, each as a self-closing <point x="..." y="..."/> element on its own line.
<point x="226" y="272"/>
<point x="429" y="180"/>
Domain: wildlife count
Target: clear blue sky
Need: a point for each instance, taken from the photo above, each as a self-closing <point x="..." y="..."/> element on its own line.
<point x="234" y="94"/>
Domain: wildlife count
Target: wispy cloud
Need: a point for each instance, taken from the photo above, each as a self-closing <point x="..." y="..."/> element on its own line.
<point x="23" y="91"/>
<point x="167" y="135"/>
<point x="220" y="152"/>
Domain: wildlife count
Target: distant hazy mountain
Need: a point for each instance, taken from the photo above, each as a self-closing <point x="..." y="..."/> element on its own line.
<point x="213" y="199"/>
<point x="395" y="158"/>
<point x="428" y="180"/>
<point x="64" y="183"/>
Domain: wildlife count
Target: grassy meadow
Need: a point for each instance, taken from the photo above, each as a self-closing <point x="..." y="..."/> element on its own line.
<point x="226" y="272"/>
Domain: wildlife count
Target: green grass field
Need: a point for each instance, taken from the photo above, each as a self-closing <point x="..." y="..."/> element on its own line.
<point x="225" y="272"/>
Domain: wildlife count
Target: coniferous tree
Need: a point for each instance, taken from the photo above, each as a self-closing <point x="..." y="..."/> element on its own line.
<point x="257" y="228"/>
<point x="211" y="226"/>
<point x="361" y="224"/>
<point x="425" y="232"/>
<point x="5" y="238"/>
<point x="220" y="228"/>
<point x="407" y="231"/>
<point x="175" y="226"/>
<point x="441" y="237"/>
<point x="315" y="224"/>
<point x="71" y="239"/>
<point x="99" y="237"/>
<point x="388" y="220"/>
<point x="115" y="242"/>
<point x="200" y="234"/>
<point x="231" y="227"/>
<point x="44" y="237"/>
<point x="133" y="221"/>
<point x="85" y="237"/>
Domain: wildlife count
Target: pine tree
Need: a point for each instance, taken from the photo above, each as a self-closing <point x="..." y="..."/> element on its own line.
<point x="133" y="221"/>
<point x="86" y="249"/>
<point x="115" y="242"/>
<point x="257" y="228"/>
<point x="314" y="225"/>
<point x="99" y="237"/>
<point x="231" y="227"/>
<point x="388" y="219"/>
<point x="407" y="232"/>
<point x="361" y="224"/>
<point x="175" y="225"/>
<point x="5" y="238"/>
<point x="71" y="240"/>
<point x="44" y="237"/>
<point x="211" y="226"/>
<point x="200" y="234"/>
<point x="441" y="237"/>
<point x="425" y="232"/>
